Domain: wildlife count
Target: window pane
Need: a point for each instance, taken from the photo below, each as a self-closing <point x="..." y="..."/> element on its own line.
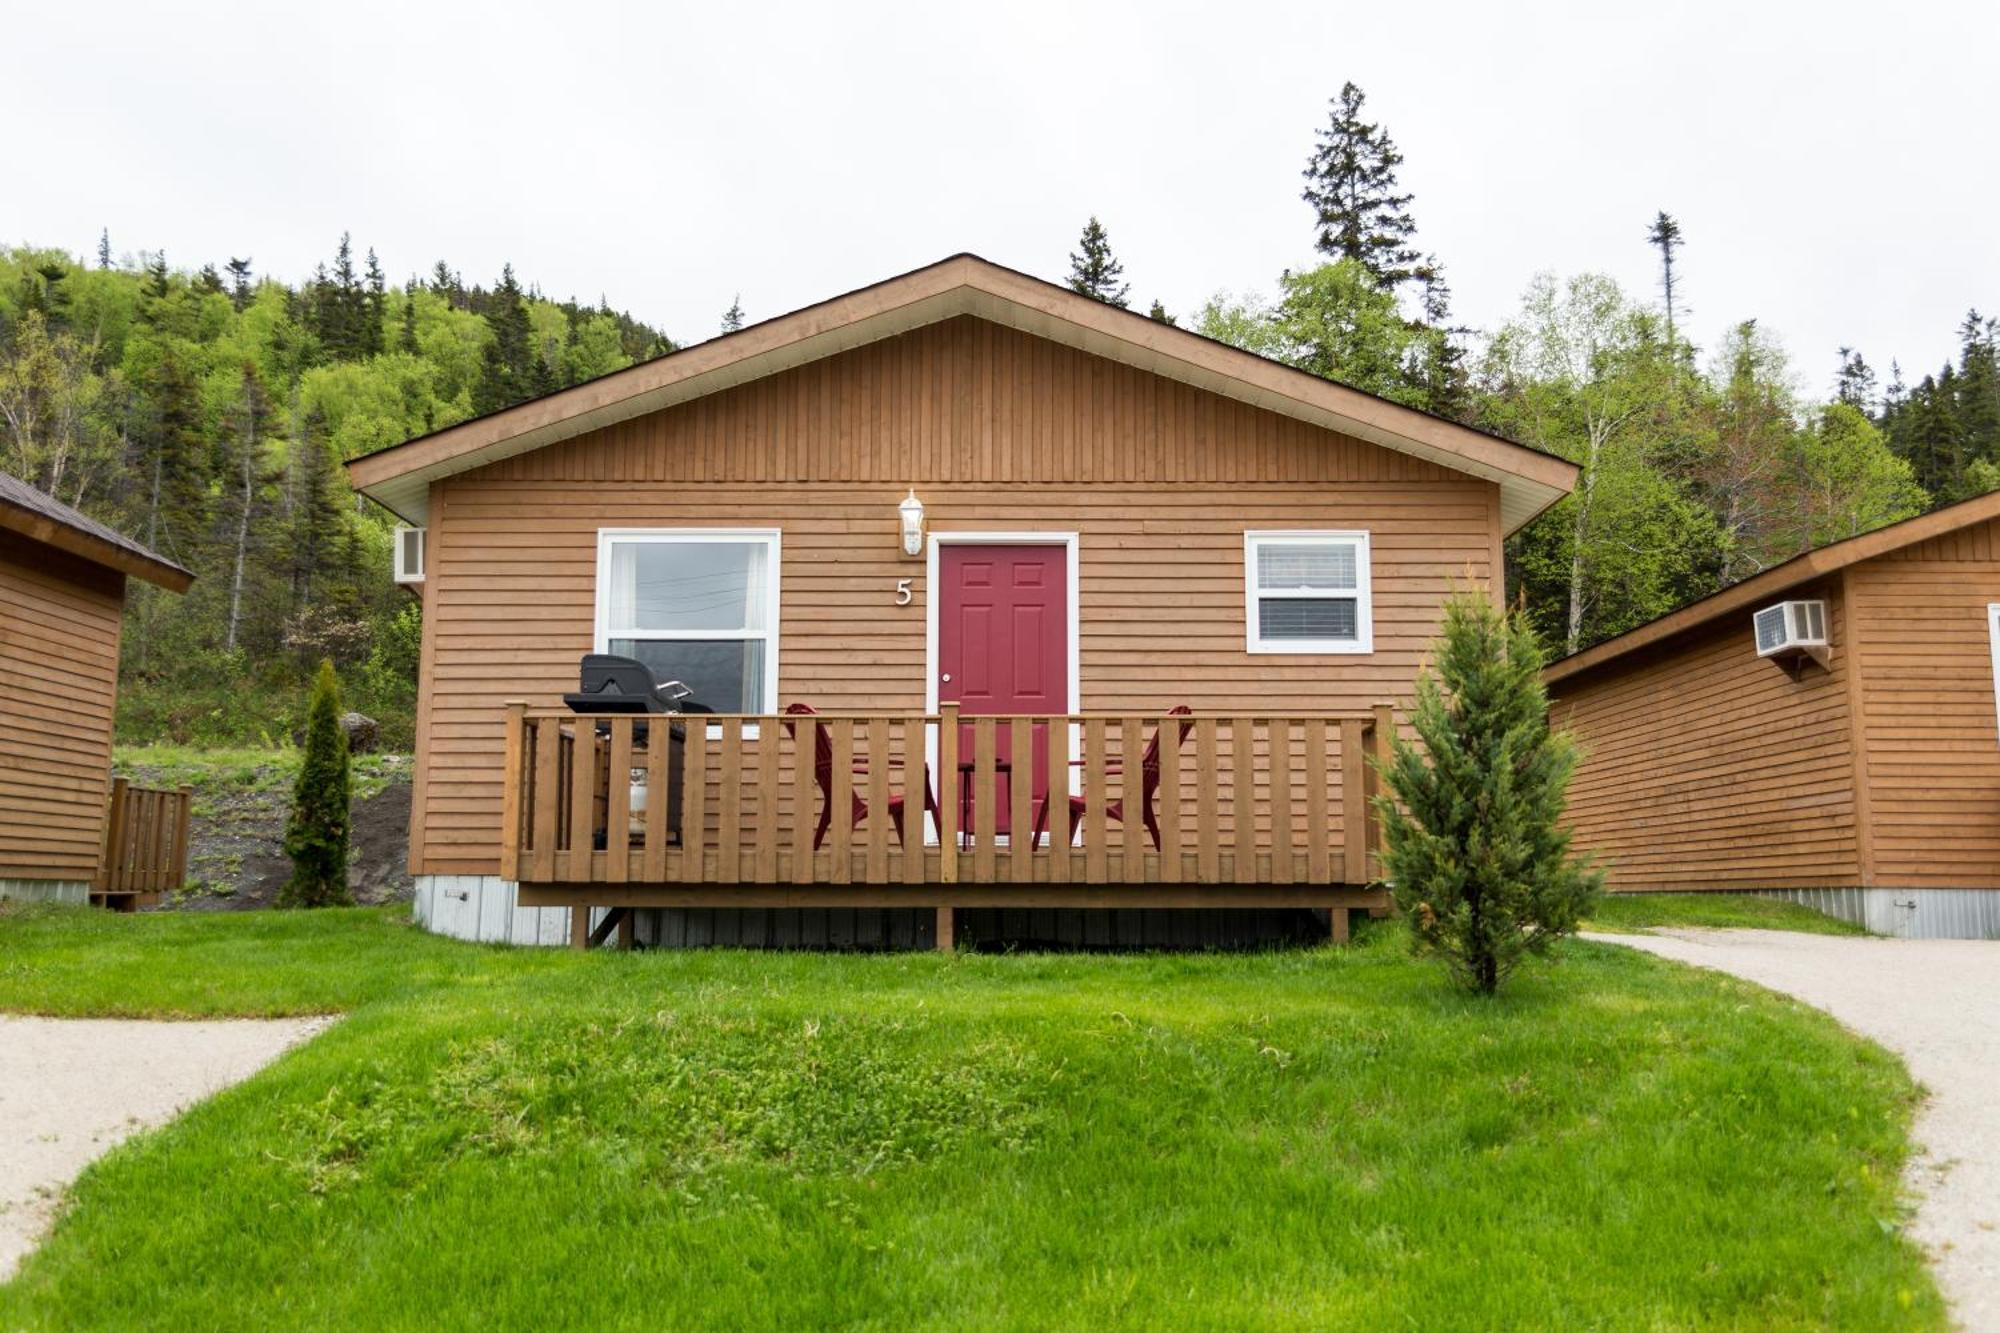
<point x="1307" y="618"/>
<point x="1305" y="566"/>
<point x="726" y="675"/>
<point x="718" y="585"/>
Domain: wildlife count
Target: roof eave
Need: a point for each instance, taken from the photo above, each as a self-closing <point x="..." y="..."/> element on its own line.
<point x="88" y="546"/>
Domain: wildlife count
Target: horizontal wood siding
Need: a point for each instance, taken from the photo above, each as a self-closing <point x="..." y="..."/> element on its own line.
<point x="1708" y="767"/>
<point x="997" y="430"/>
<point x="1929" y="726"/>
<point x="59" y="623"/>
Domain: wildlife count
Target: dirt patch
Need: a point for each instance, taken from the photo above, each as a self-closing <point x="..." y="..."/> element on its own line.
<point x="236" y="854"/>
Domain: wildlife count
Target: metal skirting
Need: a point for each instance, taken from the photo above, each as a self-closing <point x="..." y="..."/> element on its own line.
<point x="1909" y="914"/>
<point x="44" y="890"/>
<point x="482" y="908"/>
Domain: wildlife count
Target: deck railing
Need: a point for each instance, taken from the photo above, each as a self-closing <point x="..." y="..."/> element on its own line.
<point x="708" y="800"/>
<point x="145" y="850"/>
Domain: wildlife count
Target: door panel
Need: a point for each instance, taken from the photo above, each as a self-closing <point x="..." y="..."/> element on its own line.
<point x="1003" y="648"/>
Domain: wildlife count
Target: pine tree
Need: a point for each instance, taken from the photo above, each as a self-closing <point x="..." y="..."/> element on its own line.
<point x="1476" y="855"/>
<point x="507" y="372"/>
<point x="1092" y="270"/>
<point x="375" y="307"/>
<point x="1158" y="314"/>
<point x="316" y="836"/>
<point x="1441" y="369"/>
<point x="1854" y="382"/>
<point x="1351" y="184"/>
<point x="239" y="282"/>
<point x="406" y="341"/>
<point x="732" y="318"/>
<point x="1665" y="236"/>
<point x="104" y="248"/>
<point x="158" y="282"/>
<point x="317" y="516"/>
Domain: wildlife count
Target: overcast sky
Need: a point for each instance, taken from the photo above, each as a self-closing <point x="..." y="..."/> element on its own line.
<point x="1832" y="165"/>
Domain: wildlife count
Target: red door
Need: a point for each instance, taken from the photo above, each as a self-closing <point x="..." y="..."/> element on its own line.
<point x="1003" y="647"/>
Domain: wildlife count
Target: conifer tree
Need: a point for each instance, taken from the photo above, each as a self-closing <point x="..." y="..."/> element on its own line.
<point x="1665" y="236"/>
<point x="1158" y="314"/>
<point x="1477" y="858"/>
<point x="732" y="318"/>
<point x="506" y="374"/>
<point x="1854" y="382"/>
<point x="316" y="836"/>
<point x="104" y="248"/>
<point x="240" y="489"/>
<point x="1092" y="270"/>
<point x="1441" y="368"/>
<point x="239" y="282"/>
<point x="1351" y="185"/>
<point x="406" y="341"/>
<point x="375" y="308"/>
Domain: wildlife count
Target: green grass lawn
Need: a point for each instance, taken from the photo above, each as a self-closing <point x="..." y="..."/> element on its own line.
<point x="1307" y="1139"/>
<point x="1642" y="911"/>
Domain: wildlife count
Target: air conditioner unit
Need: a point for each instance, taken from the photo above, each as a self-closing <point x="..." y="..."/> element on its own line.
<point x="409" y="554"/>
<point x="1790" y="629"/>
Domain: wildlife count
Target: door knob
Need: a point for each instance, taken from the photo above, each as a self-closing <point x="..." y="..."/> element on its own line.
<point x="947" y="677"/>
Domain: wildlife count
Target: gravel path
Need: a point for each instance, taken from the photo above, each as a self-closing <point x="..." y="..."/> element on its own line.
<point x="1936" y="1003"/>
<point x="71" y="1088"/>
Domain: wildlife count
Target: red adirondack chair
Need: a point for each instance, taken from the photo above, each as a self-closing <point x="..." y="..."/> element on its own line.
<point x="1149" y="784"/>
<point x="823" y="779"/>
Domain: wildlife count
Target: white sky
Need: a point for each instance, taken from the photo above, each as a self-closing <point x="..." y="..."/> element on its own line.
<point x="1832" y="164"/>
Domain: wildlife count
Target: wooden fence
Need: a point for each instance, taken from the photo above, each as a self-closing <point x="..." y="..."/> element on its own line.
<point x="145" y="845"/>
<point x="851" y="799"/>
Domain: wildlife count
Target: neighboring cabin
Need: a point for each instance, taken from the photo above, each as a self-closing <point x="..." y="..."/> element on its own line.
<point x="62" y="602"/>
<point x="1116" y="517"/>
<point x="1860" y="774"/>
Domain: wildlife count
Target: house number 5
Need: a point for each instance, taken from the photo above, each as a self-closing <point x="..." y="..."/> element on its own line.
<point x="902" y="592"/>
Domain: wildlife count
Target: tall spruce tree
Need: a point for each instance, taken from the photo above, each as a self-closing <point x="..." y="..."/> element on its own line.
<point x="316" y="836"/>
<point x="239" y="282"/>
<point x="1477" y="858"/>
<point x="1093" y="271"/>
<point x="374" y="308"/>
<point x="1854" y="382"/>
<point x="1665" y="236"/>
<point x="104" y="248"/>
<point x="1351" y="185"/>
<point x="732" y="318"/>
<point x="507" y="369"/>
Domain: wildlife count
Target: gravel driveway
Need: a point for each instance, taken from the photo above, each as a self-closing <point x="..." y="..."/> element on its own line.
<point x="71" y="1088"/>
<point x="1936" y="1003"/>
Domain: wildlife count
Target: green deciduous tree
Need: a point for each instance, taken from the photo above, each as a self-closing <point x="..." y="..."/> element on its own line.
<point x="1093" y="271"/>
<point x="1477" y="858"/>
<point x="316" y="836"/>
<point x="1351" y="185"/>
<point x="1335" y="321"/>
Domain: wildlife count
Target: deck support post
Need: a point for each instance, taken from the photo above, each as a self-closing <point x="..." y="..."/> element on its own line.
<point x="579" y="926"/>
<point x="946" y="929"/>
<point x="1337" y="919"/>
<point x="627" y="931"/>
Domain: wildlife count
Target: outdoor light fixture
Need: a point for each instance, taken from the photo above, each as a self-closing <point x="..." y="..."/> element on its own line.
<point x="912" y="511"/>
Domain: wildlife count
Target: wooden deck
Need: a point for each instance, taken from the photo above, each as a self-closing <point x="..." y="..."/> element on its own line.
<point x="727" y="811"/>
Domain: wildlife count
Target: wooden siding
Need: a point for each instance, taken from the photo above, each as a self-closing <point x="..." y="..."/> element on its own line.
<point x="1709" y="767"/>
<point x="59" y="624"/>
<point x="1928" y="723"/>
<point x="997" y="430"/>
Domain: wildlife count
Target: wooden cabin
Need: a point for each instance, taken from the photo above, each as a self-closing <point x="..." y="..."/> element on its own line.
<point x="992" y="533"/>
<point x="1826" y="731"/>
<point x="62" y="602"/>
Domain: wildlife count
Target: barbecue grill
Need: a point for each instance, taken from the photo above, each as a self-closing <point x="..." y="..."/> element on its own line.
<point x="608" y="683"/>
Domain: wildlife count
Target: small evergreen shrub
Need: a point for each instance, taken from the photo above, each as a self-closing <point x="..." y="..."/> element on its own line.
<point x="1476" y="857"/>
<point x="316" y="836"/>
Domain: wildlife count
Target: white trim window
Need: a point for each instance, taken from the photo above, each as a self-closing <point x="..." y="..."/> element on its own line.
<point x="1307" y="592"/>
<point x="698" y="605"/>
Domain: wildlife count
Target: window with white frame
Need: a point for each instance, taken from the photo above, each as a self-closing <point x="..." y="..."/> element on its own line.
<point x="697" y="605"/>
<point x="1307" y="592"/>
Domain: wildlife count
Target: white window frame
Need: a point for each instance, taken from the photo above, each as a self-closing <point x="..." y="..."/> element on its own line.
<point x="773" y="541"/>
<point x="1362" y="592"/>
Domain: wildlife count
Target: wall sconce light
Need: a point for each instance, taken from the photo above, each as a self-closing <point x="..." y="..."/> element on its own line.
<point x="912" y="513"/>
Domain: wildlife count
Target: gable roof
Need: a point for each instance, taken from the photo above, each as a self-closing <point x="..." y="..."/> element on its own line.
<point x="1813" y="565"/>
<point x="39" y="515"/>
<point x="399" y="477"/>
